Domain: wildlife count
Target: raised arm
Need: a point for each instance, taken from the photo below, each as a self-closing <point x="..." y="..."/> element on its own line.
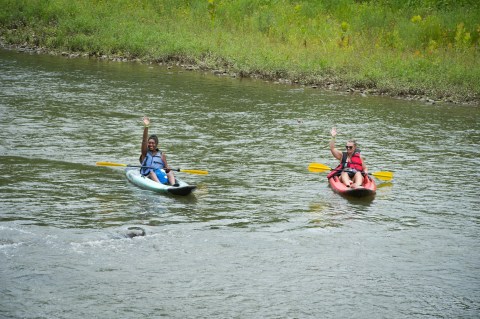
<point x="336" y="153"/>
<point x="146" y="124"/>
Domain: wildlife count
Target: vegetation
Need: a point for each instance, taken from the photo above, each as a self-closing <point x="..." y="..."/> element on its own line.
<point x="398" y="47"/>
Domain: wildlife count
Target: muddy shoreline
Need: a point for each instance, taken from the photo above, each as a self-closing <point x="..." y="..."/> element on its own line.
<point x="192" y="65"/>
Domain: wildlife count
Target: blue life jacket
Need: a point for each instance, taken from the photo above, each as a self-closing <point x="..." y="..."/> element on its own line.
<point x="153" y="162"/>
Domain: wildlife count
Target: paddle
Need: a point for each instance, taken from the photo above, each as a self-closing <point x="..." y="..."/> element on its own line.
<point x="190" y="171"/>
<point x="320" y="168"/>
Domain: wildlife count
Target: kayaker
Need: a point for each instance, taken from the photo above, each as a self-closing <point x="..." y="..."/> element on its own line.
<point x="352" y="167"/>
<point x="158" y="169"/>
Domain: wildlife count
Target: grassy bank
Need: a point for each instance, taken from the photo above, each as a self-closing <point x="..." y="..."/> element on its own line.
<point x="397" y="47"/>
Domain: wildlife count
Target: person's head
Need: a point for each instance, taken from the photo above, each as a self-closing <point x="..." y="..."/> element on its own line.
<point x="152" y="142"/>
<point x="351" y="146"/>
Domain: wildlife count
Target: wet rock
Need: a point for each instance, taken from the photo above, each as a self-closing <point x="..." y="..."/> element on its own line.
<point x="135" y="232"/>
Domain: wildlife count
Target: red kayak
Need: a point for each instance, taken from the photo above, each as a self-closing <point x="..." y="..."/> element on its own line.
<point x="367" y="189"/>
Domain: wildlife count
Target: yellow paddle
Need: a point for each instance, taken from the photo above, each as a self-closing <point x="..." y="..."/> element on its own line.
<point x="190" y="171"/>
<point x="321" y="168"/>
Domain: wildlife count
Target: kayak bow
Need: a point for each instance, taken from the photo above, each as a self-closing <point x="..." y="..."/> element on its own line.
<point x="368" y="189"/>
<point x="134" y="176"/>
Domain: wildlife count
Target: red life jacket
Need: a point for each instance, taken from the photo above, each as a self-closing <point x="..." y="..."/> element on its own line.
<point x="355" y="163"/>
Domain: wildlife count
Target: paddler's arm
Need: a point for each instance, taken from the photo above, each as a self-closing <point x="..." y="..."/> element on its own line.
<point x="164" y="159"/>
<point x="364" y="166"/>
<point x="336" y="153"/>
<point x="146" y="124"/>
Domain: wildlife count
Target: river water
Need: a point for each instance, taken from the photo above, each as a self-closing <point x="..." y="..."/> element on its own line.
<point x="261" y="237"/>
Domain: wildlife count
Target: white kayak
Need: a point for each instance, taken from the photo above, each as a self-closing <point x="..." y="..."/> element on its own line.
<point x="134" y="176"/>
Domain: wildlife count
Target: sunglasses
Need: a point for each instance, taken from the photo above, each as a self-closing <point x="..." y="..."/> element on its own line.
<point x="349" y="147"/>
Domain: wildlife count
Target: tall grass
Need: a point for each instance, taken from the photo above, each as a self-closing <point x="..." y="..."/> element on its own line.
<point x="394" y="46"/>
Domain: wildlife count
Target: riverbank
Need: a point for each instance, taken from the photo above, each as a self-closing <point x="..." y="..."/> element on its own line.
<point x="190" y="65"/>
<point x="363" y="48"/>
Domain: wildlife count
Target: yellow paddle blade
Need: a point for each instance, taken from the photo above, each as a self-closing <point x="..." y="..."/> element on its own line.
<point x="193" y="171"/>
<point x="321" y="168"/>
<point x="317" y="167"/>
<point x="109" y="164"/>
<point x="317" y="170"/>
<point x="384" y="176"/>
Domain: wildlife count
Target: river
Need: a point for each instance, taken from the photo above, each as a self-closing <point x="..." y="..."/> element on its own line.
<point x="261" y="237"/>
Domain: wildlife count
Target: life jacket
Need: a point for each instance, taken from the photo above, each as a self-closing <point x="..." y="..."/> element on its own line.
<point x="355" y="163"/>
<point x="153" y="162"/>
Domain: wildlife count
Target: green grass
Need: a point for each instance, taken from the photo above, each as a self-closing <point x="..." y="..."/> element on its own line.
<point x="428" y="47"/>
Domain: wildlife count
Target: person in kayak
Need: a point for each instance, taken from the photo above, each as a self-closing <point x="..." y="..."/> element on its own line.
<point x="352" y="167"/>
<point x="157" y="168"/>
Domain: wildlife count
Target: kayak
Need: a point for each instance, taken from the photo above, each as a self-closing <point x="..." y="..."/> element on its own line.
<point x="134" y="176"/>
<point x="368" y="189"/>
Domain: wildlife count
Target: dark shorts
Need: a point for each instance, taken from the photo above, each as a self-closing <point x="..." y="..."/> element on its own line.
<point x="351" y="172"/>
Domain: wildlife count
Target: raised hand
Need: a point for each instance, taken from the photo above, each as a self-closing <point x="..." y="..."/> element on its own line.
<point x="333" y="132"/>
<point x="146" y="121"/>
